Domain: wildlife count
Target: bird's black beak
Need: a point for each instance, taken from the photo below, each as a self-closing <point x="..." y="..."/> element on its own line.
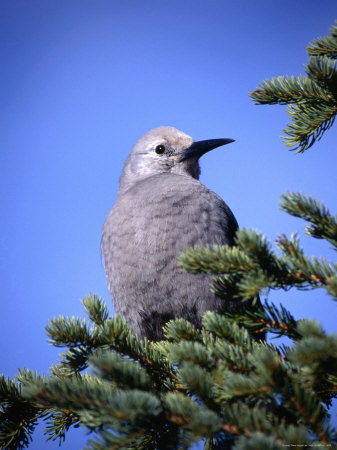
<point x="199" y="148"/>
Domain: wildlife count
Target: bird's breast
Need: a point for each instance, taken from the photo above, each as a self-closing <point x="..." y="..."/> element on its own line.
<point x="169" y="213"/>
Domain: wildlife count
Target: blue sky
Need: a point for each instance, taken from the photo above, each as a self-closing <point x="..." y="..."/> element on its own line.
<point x="81" y="81"/>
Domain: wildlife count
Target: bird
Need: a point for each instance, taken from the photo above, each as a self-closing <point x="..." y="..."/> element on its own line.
<point x="161" y="209"/>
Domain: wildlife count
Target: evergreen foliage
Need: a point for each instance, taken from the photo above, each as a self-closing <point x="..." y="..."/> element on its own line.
<point x="223" y="383"/>
<point x="312" y="99"/>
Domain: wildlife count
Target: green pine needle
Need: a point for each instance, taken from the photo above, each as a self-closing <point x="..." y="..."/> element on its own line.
<point x="325" y="46"/>
<point x="322" y="224"/>
<point x="312" y="99"/>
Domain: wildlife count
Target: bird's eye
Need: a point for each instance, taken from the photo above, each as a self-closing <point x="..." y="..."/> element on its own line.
<point x="160" y="149"/>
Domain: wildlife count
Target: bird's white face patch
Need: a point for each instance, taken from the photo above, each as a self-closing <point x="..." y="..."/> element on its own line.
<point x="146" y="159"/>
<point x="150" y="162"/>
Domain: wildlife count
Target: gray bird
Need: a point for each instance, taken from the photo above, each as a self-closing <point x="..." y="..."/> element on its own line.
<point x="160" y="210"/>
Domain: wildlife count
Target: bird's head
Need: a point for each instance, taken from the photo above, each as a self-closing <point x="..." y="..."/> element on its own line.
<point x="166" y="149"/>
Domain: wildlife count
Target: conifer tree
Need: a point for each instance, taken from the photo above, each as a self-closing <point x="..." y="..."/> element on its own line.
<point x="218" y="384"/>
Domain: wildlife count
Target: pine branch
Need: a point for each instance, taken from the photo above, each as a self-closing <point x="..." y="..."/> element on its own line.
<point x="178" y="329"/>
<point x="232" y="358"/>
<point x="225" y="329"/>
<point x="68" y="331"/>
<point x="198" y="382"/>
<point x="305" y="273"/>
<point x="96" y="309"/>
<point x="285" y="90"/>
<point x="312" y="99"/>
<point x="322" y="70"/>
<point x="18" y="418"/>
<point x="325" y="46"/>
<point x="309" y="123"/>
<point x="122" y="372"/>
<point x="322" y="224"/>
<point x="270" y="318"/>
<point x="97" y="403"/>
<point x="272" y="377"/>
<point x="232" y="355"/>
<point x="168" y="437"/>
<point x="216" y="260"/>
<point x="59" y="423"/>
<point x="198" y="421"/>
<point x="316" y="353"/>
<point x="187" y="351"/>
<point x="261" y="441"/>
<point x="216" y="384"/>
<point x="309" y="409"/>
<point x="112" y="333"/>
<point x="245" y="269"/>
<point x="251" y="267"/>
<point x="256" y="422"/>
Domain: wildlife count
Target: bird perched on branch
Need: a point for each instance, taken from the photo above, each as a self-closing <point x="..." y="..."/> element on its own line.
<point x="160" y="210"/>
